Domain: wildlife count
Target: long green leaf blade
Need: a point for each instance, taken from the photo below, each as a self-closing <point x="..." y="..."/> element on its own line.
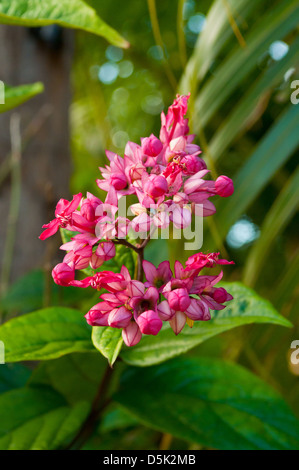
<point x="212" y="39"/>
<point x="271" y="153"/>
<point x="277" y="218"/>
<point x="237" y="119"/>
<point x="276" y="25"/>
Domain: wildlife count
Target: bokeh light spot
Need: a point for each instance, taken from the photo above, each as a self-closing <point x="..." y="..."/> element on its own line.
<point x="243" y="232"/>
<point x="108" y="73"/>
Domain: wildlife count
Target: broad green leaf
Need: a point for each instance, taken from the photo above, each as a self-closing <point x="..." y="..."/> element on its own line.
<point x="38" y="419"/>
<point x="277" y="218"/>
<point x="108" y="341"/>
<point x="270" y="154"/>
<point x="246" y="308"/>
<point x="74" y="14"/>
<point x="115" y="417"/>
<point x="274" y="25"/>
<point x="75" y="376"/>
<point x="45" y="334"/>
<point x="237" y="119"/>
<point x="210" y="402"/>
<point x="13" y="376"/>
<point x="15" y="96"/>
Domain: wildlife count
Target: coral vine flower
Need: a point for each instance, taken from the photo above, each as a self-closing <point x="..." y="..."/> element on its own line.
<point x="170" y="182"/>
<point x="63" y="213"/>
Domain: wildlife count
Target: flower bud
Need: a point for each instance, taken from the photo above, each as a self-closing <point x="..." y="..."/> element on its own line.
<point x="89" y="206"/>
<point x="224" y="186"/>
<point x="106" y="251"/>
<point x="179" y="299"/>
<point x="193" y="164"/>
<point x="118" y="181"/>
<point x="149" y="322"/>
<point x="156" y="186"/>
<point x="151" y="146"/>
<point x="119" y="317"/>
<point x="98" y="315"/>
<point x="220" y="295"/>
<point x="63" y="274"/>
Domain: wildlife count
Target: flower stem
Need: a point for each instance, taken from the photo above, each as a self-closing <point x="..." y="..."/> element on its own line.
<point x="139" y="265"/>
<point x="99" y="404"/>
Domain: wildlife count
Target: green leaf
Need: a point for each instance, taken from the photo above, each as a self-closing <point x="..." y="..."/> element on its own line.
<point x="282" y="210"/>
<point x="108" y="341"/>
<point x="38" y="418"/>
<point x="246" y="308"/>
<point x="210" y="402"/>
<point x="115" y="417"/>
<point x="75" y="376"/>
<point x="68" y="13"/>
<point x="15" y="96"/>
<point x="271" y="153"/>
<point x="45" y="334"/>
<point x="13" y="376"/>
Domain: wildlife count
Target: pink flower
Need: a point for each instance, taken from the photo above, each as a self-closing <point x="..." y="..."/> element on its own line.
<point x="120" y="317"/>
<point x="131" y="334"/>
<point x="201" y="260"/>
<point x="179" y="299"/>
<point x="104" y="252"/>
<point x="113" y="282"/>
<point x="63" y="274"/>
<point x="224" y="186"/>
<point x="63" y="214"/>
<point x="89" y="207"/>
<point x="115" y="175"/>
<point x="164" y="311"/>
<point x="178" y="322"/>
<point x="149" y="322"/>
<point x="157" y="277"/>
<point x="156" y="186"/>
<point x="151" y="146"/>
<point x="212" y="297"/>
<point x="97" y="316"/>
<point x="192" y="164"/>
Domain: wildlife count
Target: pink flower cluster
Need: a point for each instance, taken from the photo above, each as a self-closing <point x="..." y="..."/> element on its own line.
<point x="166" y="175"/>
<point x="140" y="308"/>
